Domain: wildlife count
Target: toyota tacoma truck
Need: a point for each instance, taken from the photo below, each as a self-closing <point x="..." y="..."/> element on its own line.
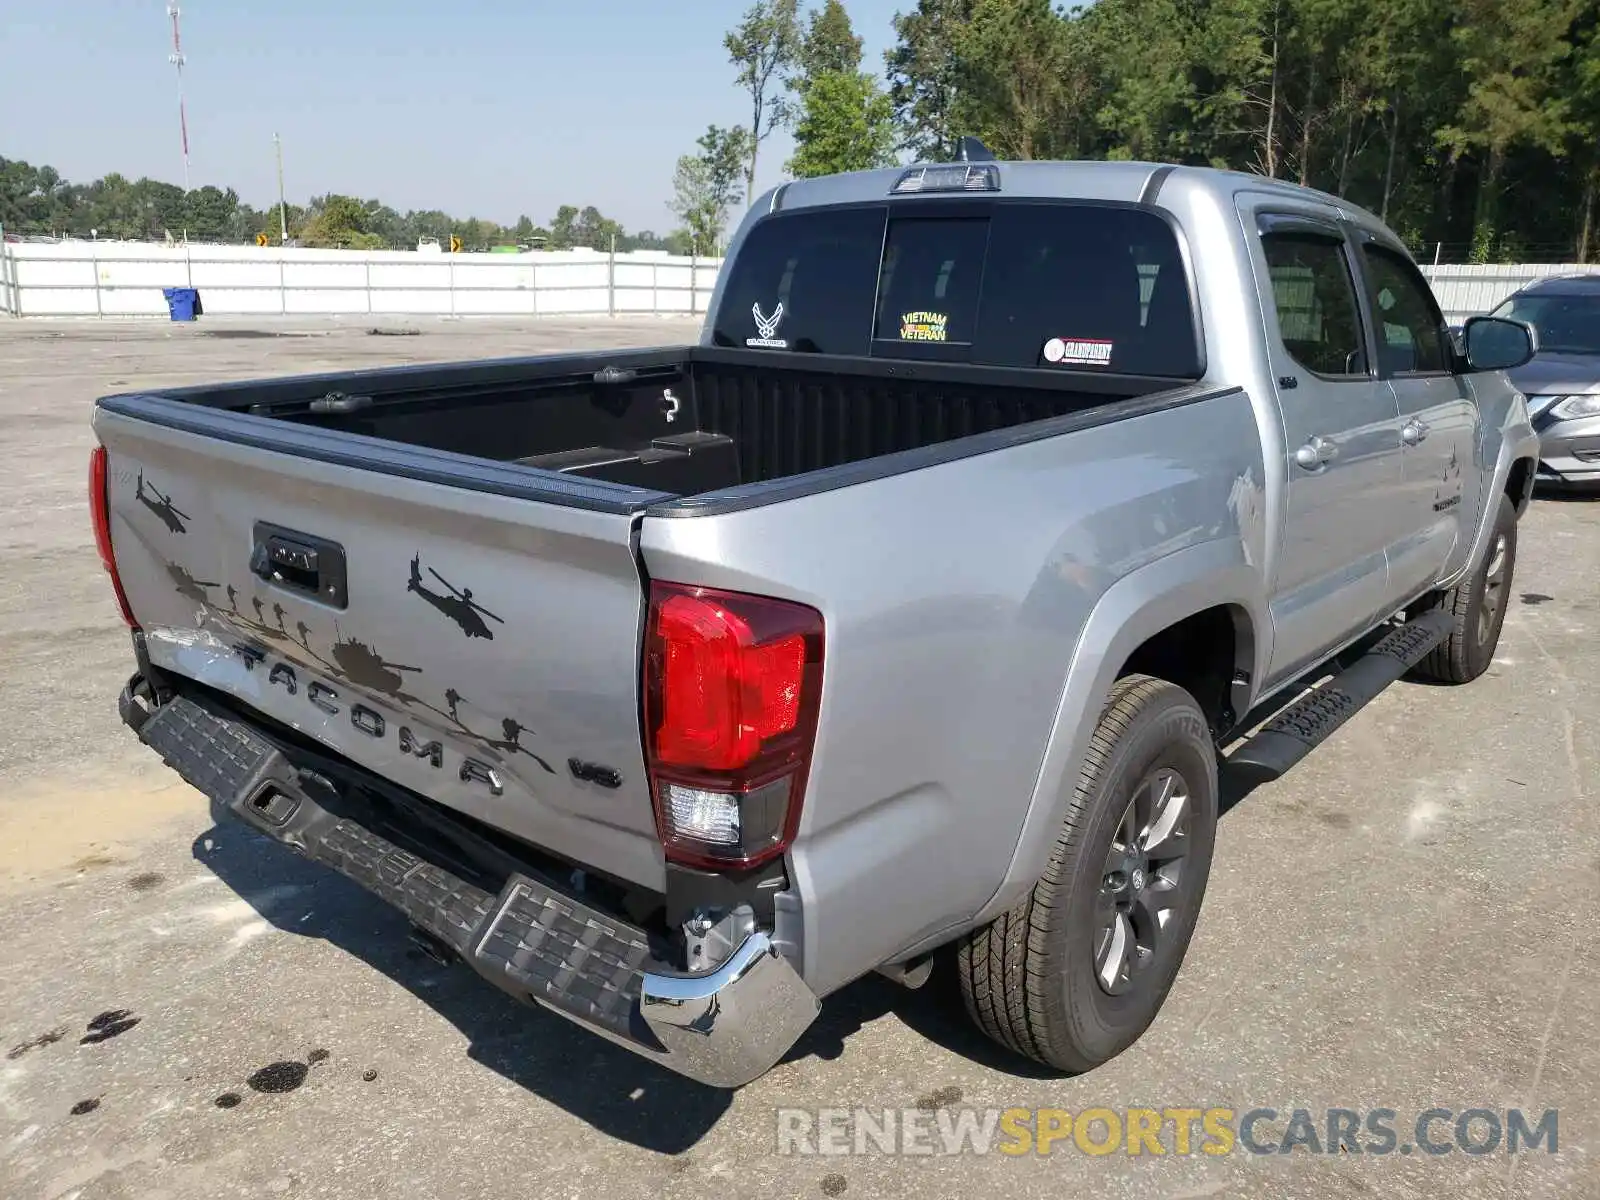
<point x="915" y="608"/>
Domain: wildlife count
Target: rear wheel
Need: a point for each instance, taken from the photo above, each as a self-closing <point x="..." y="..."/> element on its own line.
<point x="1478" y="606"/>
<point x="1078" y="970"/>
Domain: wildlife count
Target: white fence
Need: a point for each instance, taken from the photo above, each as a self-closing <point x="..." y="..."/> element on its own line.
<point x="125" y="279"/>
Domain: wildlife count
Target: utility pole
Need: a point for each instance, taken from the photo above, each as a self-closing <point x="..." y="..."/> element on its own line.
<point x="283" y="209"/>
<point x="177" y="59"/>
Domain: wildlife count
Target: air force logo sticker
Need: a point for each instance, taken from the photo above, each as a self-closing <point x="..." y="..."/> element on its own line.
<point x="767" y="326"/>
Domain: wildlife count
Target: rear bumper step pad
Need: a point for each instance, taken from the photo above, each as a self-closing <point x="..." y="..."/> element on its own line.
<point x="531" y="940"/>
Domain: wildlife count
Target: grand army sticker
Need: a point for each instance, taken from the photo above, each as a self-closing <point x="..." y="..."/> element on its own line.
<point x="924" y="326"/>
<point x="1083" y="352"/>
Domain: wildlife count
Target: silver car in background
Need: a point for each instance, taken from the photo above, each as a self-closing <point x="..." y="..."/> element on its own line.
<point x="1562" y="382"/>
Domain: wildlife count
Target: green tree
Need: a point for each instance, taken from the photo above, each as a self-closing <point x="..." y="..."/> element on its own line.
<point x="1021" y="80"/>
<point x="705" y="186"/>
<point x="830" y="43"/>
<point x="563" y="228"/>
<point x="924" y="70"/>
<point x="691" y="202"/>
<point x="1513" y="55"/>
<point x="210" y="214"/>
<point x="764" y="47"/>
<point x="598" y="232"/>
<point x="1144" y="77"/>
<point x="846" y="124"/>
<point x="1585" y="134"/>
<point x="337" y="222"/>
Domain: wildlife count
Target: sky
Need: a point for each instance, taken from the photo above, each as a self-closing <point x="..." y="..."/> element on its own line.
<point x="488" y="108"/>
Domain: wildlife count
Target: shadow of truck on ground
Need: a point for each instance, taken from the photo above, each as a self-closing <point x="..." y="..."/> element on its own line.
<point x="617" y="1092"/>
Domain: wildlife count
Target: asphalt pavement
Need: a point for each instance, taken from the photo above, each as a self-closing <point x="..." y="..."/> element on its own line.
<point x="1407" y="921"/>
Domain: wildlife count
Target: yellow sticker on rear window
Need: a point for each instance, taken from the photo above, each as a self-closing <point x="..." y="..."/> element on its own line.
<point x="923" y="326"/>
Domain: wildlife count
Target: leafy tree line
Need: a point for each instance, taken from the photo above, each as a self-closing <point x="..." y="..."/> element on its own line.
<point x="36" y="200"/>
<point x="1471" y="124"/>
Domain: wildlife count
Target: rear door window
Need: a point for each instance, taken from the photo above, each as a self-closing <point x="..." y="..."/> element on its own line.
<point x="1053" y="286"/>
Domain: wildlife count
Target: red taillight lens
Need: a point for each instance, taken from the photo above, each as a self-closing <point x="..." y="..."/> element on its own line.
<point x="100" y="515"/>
<point x="732" y="687"/>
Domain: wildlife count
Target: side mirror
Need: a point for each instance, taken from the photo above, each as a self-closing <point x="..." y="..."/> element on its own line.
<point x="1497" y="344"/>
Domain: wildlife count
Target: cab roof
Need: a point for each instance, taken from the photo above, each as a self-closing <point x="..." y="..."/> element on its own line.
<point x="1127" y="182"/>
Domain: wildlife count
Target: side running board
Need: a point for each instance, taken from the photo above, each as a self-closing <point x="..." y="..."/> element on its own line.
<point x="1312" y="719"/>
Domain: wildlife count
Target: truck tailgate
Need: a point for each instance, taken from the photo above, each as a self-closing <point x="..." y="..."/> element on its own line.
<point x="481" y="649"/>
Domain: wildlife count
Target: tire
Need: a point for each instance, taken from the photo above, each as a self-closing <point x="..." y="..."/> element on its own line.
<point x="1478" y="607"/>
<point x="1032" y="978"/>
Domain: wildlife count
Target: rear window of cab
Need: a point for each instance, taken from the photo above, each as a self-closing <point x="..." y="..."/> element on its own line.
<point x="1064" y="286"/>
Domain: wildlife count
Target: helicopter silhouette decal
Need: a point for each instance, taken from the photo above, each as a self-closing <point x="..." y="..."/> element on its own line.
<point x="458" y="604"/>
<point x="189" y="587"/>
<point x="150" y="496"/>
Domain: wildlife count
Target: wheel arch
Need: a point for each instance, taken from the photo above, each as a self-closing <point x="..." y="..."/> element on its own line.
<point x="1208" y="587"/>
<point x="1519" y="483"/>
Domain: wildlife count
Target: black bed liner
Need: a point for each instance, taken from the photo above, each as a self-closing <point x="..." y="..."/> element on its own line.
<point x="677" y="430"/>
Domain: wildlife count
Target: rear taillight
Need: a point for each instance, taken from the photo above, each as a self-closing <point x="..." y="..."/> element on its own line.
<point x="732" y="686"/>
<point x="100" y="515"/>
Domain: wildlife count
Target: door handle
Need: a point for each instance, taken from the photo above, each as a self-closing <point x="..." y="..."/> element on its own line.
<point x="1315" y="454"/>
<point x="1413" y="431"/>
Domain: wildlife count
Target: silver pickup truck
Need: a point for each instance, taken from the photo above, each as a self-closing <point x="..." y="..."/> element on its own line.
<point x="916" y="609"/>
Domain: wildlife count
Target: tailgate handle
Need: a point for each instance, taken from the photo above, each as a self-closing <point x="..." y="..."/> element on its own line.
<point x="299" y="562"/>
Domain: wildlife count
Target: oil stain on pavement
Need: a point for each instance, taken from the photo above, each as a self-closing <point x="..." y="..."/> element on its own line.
<point x="279" y="1077"/>
<point x="112" y="1023"/>
<point x="44" y="1039"/>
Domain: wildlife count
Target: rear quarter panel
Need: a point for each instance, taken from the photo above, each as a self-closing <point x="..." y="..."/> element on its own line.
<point x="956" y="598"/>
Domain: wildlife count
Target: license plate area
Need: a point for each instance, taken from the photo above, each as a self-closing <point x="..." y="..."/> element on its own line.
<point x="300" y="562"/>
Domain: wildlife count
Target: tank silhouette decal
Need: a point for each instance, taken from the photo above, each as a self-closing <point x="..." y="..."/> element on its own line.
<point x="455" y="603"/>
<point x="359" y="663"/>
<point x="170" y="514"/>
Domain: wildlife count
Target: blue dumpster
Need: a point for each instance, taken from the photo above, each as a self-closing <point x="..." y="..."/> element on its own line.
<point x="183" y="303"/>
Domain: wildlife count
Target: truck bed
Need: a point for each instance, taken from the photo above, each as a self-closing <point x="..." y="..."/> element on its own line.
<point x="439" y="573"/>
<point x="679" y="421"/>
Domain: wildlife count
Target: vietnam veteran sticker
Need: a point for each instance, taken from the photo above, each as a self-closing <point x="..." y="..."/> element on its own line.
<point x="923" y="326"/>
